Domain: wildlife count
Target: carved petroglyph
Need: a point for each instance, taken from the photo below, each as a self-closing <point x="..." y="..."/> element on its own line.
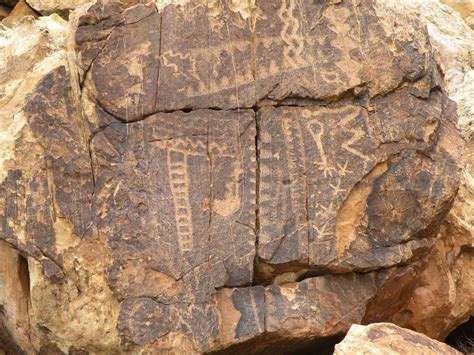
<point x="295" y="157"/>
<point x="185" y="65"/>
<point x="317" y="130"/>
<point x="291" y="180"/>
<point x="291" y="34"/>
<point x="347" y="122"/>
<point x="171" y="60"/>
<point x="179" y="182"/>
<point x="230" y="203"/>
<point x="177" y="196"/>
<point x="191" y="179"/>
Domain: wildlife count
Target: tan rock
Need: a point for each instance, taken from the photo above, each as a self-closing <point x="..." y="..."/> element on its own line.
<point x="62" y="7"/>
<point x="388" y="339"/>
<point x="20" y="10"/>
<point x="465" y="8"/>
<point x="453" y="46"/>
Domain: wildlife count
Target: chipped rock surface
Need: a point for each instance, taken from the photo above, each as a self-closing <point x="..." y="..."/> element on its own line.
<point x="17" y="14"/>
<point x="465" y="9"/>
<point x="45" y="196"/>
<point x="47" y="7"/>
<point x="220" y="176"/>
<point x="442" y="299"/>
<point x="453" y="47"/>
<point x="386" y="338"/>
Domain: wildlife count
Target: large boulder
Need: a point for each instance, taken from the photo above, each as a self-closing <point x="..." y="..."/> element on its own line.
<point x="386" y="338"/>
<point x="62" y="7"/>
<point x="218" y="176"/>
<point x="442" y="298"/>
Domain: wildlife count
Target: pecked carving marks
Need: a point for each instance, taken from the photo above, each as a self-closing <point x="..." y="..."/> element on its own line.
<point x="186" y="183"/>
<point x="177" y="163"/>
<point x="304" y="178"/>
<point x="120" y="50"/>
<point x="214" y="55"/>
<point x="175" y="193"/>
<point x="323" y="189"/>
<point x="238" y="320"/>
<point x="54" y="185"/>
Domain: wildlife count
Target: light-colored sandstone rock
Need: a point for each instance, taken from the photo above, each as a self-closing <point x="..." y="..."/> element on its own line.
<point x="20" y="10"/>
<point x="388" y="339"/>
<point x="453" y="45"/>
<point x="43" y="142"/>
<point x="465" y="8"/>
<point x="62" y="7"/>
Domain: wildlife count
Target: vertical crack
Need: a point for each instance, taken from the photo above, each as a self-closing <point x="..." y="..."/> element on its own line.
<point x="211" y="183"/>
<point x="257" y="193"/>
<point x="89" y="146"/>
<point x="24" y="278"/>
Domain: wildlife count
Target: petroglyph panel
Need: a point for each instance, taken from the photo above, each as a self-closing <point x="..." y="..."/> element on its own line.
<point x="215" y="55"/>
<point x="212" y="56"/>
<point x="306" y="169"/>
<point x="120" y="54"/>
<point x="176" y="198"/>
<point x="206" y="57"/>
<point x="327" y="174"/>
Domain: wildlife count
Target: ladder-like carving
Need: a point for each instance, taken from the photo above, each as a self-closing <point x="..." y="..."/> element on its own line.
<point x="179" y="182"/>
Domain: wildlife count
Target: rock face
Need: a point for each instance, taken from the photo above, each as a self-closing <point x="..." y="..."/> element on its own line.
<point x="20" y="11"/>
<point x="442" y="299"/>
<point x="386" y="338"/>
<point x="47" y="7"/>
<point x="465" y="9"/>
<point x="218" y="176"/>
<point x="45" y="197"/>
<point x="453" y="48"/>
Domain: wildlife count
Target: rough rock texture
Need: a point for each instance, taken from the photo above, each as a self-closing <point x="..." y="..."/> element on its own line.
<point x="220" y="176"/>
<point x="64" y="7"/>
<point x="47" y="7"/>
<point x="46" y="191"/>
<point x="20" y="11"/>
<point x="453" y="48"/>
<point x="442" y="298"/>
<point x="465" y="8"/>
<point x="386" y="338"/>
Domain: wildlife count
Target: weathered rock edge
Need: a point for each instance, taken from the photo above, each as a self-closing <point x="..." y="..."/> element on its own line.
<point x="133" y="280"/>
